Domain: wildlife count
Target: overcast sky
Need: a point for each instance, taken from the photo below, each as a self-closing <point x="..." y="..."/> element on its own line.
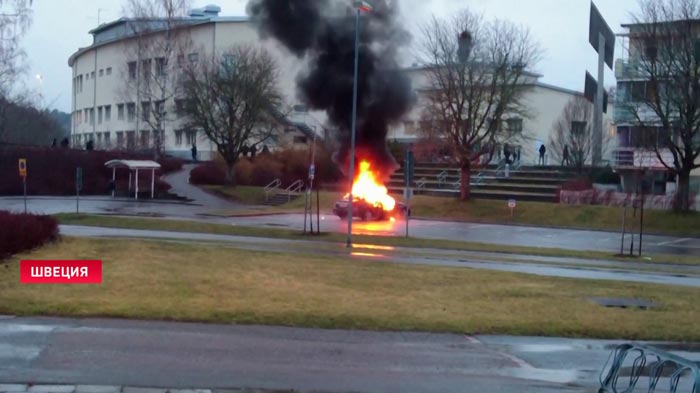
<point x="560" y="26"/>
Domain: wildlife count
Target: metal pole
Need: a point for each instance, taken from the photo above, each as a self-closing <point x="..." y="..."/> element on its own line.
<point x="77" y="195"/>
<point x="318" y="209"/>
<point x="641" y="224"/>
<point x="24" y="183"/>
<point x="598" y="115"/>
<point x="136" y="185"/>
<point x="622" y="241"/>
<point x="351" y="170"/>
<point x="153" y="181"/>
<point x="114" y="180"/>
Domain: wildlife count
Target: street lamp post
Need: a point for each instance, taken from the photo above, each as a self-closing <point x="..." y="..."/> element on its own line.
<point x="360" y="7"/>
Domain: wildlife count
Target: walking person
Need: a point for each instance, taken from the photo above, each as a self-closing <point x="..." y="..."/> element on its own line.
<point x="506" y="153"/>
<point x="543" y="151"/>
<point x="194" y="152"/>
<point x="566" y="160"/>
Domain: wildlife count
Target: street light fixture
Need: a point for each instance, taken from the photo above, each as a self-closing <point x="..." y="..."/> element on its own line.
<point x="360" y="6"/>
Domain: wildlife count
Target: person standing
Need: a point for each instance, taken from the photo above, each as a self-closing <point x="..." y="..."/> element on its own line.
<point x="565" y="156"/>
<point x="194" y="152"/>
<point x="543" y="151"/>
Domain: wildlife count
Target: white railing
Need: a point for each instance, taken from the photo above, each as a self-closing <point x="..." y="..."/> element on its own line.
<point x="294" y="188"/>
<point x="421" y="183"/>
<point x="441" y="178"/>
<point x="272" y="188"/>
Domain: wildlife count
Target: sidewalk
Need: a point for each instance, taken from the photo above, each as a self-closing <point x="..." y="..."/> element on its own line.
<point x="24" y="388"/>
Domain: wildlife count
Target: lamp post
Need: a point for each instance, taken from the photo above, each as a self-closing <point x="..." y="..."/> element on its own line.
<point x="361" y="6"/>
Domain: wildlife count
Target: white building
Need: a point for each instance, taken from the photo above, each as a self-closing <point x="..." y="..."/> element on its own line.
<point x="544" y="103"/>
<point x="110" y="115"/>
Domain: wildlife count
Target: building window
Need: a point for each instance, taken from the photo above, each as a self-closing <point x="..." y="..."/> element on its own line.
<point x="108" y="113"/>
<point x="145" y="110"/>
<point x="120" y="111"/>
<point x="300" y="140"/>
<point x="159" y="109"/>
<point x="92" y="75"/>
<point x="80" y="79"/>
<point x="179" y="106"/>
<point x="108" y="142"/>
<point x="131" y="112"/>
<point x="102" y="72"/>
<point x="99" y="140"/>
<point x="145" y="139"/>
<point x="109" y="71"/>
<point x="515" y="125"/>
<point x="180" y="61"/>
<point x="178" y="137"/>
<point x="146" y="69"/>
<point x="132" y="70"/>
<point x="120" y="140"/>
<point x="99" y="115"/>
<point x="578" y="127"/>
<point x="193" y="57"/>
<point x="160" y="66"/>
<point x="130" y="140"/>
<point x="191" y="137"/>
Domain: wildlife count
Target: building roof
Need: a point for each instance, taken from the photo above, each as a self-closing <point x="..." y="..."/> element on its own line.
<point x="154" y="28"/>
<point x="132" y="164"/>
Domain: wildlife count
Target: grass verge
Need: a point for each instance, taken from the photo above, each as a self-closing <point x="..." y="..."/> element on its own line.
<point x="497" y="212"/>
<point x="160" y="280"/>
<point x="222" y="229"/>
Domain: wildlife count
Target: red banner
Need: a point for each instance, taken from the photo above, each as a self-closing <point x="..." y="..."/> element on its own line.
<point x="60" y="272"/>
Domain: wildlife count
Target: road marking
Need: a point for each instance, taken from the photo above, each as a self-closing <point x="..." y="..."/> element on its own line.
<point x="666" y="243"/>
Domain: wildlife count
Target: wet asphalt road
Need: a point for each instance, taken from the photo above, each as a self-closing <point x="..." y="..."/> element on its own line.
<point x="429" y="229"/>
<point x="681" y="275"/>
<point x="190" y="355"/>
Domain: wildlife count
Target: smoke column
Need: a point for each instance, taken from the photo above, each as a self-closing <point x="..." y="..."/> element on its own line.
<point x="323" y="33"/>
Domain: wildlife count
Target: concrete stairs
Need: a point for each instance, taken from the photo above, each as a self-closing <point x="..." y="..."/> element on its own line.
<point x="527" y="183"/>
<point x="281" y="198"/>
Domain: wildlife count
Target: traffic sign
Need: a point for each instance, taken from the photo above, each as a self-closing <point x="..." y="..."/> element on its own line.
<point x="511" y="203"/>
<point x="23" y="167"/>
<point x="312" y="171"/>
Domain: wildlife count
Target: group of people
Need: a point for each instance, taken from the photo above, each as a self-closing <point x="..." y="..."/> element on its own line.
<point x="507" y="153"/>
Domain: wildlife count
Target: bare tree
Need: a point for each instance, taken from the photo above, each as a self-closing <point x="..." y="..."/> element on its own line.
<point x="571" y="139"/>
<point x="477" y="74"/>
<point x="15" y="19"/>
<point x="665" y="44"/>
<point x="232" y="99"/>
<point x="151" y="76"/>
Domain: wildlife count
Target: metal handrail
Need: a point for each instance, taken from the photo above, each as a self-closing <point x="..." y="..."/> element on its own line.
<point x="662" y="359"/>
<point x="442" y="177"/>
<point x="421" y="183"/>
<point x="295" y="187"/>
<point x="272" y="187"/>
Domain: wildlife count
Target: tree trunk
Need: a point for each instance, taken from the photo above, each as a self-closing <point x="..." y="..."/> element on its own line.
<point x="465" y="180"/>
<point x="682" y="202"/>
<point x="230" y="173"/>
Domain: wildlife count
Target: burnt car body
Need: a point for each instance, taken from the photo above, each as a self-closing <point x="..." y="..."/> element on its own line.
<point x="368" y="212"/>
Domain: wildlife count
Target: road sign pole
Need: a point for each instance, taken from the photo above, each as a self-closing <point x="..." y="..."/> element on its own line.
<point x="24" y="185"/>
<point x="598" y="115"/>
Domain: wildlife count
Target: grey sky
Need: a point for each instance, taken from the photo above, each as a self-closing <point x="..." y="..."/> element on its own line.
<point x="560" y="26"/>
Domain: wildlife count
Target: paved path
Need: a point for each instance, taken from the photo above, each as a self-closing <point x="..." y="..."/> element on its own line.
<point x="189" y="355"/>
<point x="180" y="183"/>
<point x="543" y="266"/>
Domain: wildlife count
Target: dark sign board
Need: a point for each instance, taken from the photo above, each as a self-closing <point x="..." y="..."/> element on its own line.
<point x="599" y="26"/>
<point x="591" y="90"/>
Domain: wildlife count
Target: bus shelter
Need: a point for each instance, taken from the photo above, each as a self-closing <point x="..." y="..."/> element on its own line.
<point x="134" y="167"/>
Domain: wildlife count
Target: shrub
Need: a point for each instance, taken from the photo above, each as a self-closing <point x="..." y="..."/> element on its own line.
<point x="23" y="232"/>
<point x="51" y="171"/>
<point x="266" y="169"/>
<point x="211" y="173"/>
<point x="605" y="176"/>
<point x="580" y="184"/>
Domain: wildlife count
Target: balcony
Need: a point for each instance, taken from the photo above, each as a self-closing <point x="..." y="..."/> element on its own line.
<point x="639" y="158"/>
<point x="629" y="69"/>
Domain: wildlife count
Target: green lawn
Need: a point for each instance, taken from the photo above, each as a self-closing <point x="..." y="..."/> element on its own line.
<point x="193" y="226"/>
<point x="494" y="211"/>
<point x="171" y="281"/>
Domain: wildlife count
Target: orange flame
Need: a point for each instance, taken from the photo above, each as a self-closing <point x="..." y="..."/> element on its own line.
<point x="367" y="187"/>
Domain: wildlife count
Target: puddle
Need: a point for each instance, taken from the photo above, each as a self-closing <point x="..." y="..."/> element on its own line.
<point x="543" y="348"/>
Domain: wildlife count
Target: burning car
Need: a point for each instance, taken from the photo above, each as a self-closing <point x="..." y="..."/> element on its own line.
<point x="367" y="211"/>
<point x="371" y="199"/>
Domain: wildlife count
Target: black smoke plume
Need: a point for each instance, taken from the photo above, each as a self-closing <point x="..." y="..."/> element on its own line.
<point x="323" y="33"/>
